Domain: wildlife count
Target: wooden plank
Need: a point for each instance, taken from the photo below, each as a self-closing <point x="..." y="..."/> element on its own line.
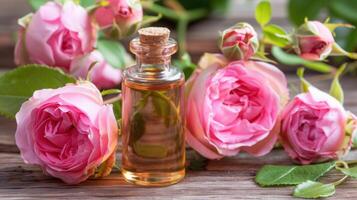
<point x="229" y="178"/>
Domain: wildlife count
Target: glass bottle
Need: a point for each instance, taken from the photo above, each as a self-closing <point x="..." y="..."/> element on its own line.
<point x="153" y="112"/>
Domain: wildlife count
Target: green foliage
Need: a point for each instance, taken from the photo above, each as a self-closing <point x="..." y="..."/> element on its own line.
<point x="113" y="52"/>
<point x="87" y="3"/>
<point x="272" y="175"/>
<point x="195" y="161"/>
<point x="263" y="12"/>
<point x="117" y="107"/>
<point x="149" y="150"/>
<point x="290" y="59"/>
<point x="162" y="106"/>
<point x="276" y="35"/>
<point x="352" y="172"/>
<point x="147" y="19"/>
<point x="186" y="65"/>
<point x="304" y="83"/>
<point x="312" y="189"/>
<point x="336" y="88"/>
<point x="301" y="9"/>
<point x="36" y="4"/>
<point x="19" y="84"/>
<point x="210" y="5"/>
<point x="137" y="128"/>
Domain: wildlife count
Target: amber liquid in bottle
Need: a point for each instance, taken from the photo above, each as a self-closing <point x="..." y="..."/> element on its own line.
<point x="153" y="116"/>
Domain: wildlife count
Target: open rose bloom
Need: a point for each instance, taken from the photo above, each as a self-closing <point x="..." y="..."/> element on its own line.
<point x="233" y="107"/>
<point x="314" y="128"/>
<point x="55" y="35"/>
<point x="313" y="41"/>
<point x="67" y="131"/>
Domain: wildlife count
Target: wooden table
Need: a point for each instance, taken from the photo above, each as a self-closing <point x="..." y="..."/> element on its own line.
<point x="229" y="178"/>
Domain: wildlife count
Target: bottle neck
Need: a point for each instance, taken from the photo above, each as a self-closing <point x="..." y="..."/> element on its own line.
<point x="152" y="65"/>
<point x="153" y="57"/>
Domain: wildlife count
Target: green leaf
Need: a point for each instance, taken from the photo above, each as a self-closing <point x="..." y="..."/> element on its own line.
<point x="349" y="171"/>
<point x="344" y="9"/>
<point x="312" y="189"/>
<point x="290" y="59"/>
<point x="263" y="12"/>
<point x="137" y="128"/>
<point x="185" y="64"/>
<point x="149" y="150"/>
<point x="36" y="4"/>
<point x="113" y="52"/>
<point x="87" y="3"/>
<point x="336" y="88"/>
<point x="271" y="175"/>
<point x="195" y="162"/>
<point x="162" y="107"/>
<point x="298" y="10"/>
<point x="276" y="35"/>
<point x="117" y="109"/>
<point x="19" y="84"/>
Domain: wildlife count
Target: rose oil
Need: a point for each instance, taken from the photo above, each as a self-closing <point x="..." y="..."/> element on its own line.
<point x="153" y="112"/>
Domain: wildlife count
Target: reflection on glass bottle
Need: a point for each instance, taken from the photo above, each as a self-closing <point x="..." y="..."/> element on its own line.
<point x="153" y="115"/>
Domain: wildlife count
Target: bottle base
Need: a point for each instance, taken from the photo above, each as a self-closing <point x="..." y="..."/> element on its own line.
<point x="153" y="179"/>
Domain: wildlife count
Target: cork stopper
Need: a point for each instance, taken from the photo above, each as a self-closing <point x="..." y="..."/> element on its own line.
<point x="154" y="35"/>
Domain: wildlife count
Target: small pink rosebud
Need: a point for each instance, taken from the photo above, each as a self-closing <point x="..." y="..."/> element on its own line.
<point x="313" y="41"/>
<point x="120" y="18"/>
<point x="239" y="42"/>
<point x="103" y="75"/>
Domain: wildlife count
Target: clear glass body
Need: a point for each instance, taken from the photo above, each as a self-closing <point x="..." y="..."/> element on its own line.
<point x="153" y="118"/>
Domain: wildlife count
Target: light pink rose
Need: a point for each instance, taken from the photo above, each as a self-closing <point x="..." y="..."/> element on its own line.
<point x="103" y="75"/>
<point x="313" y="128"/>
<point x="122" y="17"/>
<point x="233" y="107"/>
<point x="239" y="42"/>
<point x="55" y="35"/>
<point x="67" y="131"/>
<point x="313" y="41"/>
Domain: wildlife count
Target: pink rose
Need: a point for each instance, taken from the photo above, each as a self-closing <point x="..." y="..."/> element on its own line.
<point x="313" y="128"/>
<point x="55" y="35"/>
<point x="313" y="41"/>
<point x="233" y="107"/>
<point x="239" y="42"/>
<point x="103" y="75"/>
<point x="67" y="131"/>
<point x="120" y="17"/>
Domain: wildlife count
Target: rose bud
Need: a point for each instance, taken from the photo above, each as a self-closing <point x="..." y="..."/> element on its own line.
<point x="313" y="41"/>
<point x="239" y="42"/>
<point x="119" y="18"/>
<point x="234" y="107"/>
<point x="52" y="36"/>
<point x="103" y="75"/>
<point x="67" y="131"/>
<point x="314" y="128"/>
